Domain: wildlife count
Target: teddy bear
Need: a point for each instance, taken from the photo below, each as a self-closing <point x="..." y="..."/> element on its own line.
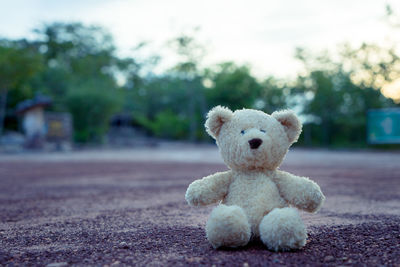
<point x="255" y="198"/>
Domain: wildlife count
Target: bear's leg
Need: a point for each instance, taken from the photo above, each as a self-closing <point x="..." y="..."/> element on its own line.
<point x="283" y="229"/>
<point x="228" y="226"/>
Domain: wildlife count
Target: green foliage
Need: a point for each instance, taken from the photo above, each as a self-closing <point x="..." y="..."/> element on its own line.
<point x="18" y="64"/>
<point x="167" y="124"/>
<point x="275" y="95"/>
<point x="91" y="107"/>
<point x="80" y="76"/>
<point x="232" y="86"/>
<point x="70" y="41"/>
<point x="78" y="67"/>
<point x="190" y="52"/>
<point x="167" y="97"/>
<point x="334" y="103"/>
<point x="74" y="53"/>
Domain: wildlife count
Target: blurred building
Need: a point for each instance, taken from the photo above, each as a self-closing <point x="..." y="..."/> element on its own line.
<point x="33" y="121"/>
<point x="44" y="129"/>
<point x="124" y="131"/>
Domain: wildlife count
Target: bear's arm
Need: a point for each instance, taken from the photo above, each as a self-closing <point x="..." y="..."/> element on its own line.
<point x="209" y="189"/>
<point x="300" y="192"/>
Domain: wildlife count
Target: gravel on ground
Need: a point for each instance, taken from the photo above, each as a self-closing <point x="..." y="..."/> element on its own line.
<point x="130" y="210"/>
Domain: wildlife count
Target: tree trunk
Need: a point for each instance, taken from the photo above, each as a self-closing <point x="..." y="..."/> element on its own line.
<point x="3" y="106"/>
<point x="307" y="134"/>
<point x="327" y="132"/>
<point x="191" y="110"/>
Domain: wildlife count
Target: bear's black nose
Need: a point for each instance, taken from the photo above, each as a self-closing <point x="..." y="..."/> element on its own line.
<point x="255" y="143"/>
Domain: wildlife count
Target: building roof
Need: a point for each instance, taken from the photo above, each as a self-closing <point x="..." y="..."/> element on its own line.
<point x="37" y="101"/>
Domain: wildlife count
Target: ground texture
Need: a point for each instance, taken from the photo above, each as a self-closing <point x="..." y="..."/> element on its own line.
<point x="127" y="210"/>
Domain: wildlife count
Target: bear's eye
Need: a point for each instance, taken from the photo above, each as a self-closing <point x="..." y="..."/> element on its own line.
<point x="261" y="130"/>
<point x="242" y="132"/>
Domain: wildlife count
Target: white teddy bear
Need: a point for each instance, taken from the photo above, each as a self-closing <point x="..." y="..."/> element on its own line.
<point x="255" y="198"/>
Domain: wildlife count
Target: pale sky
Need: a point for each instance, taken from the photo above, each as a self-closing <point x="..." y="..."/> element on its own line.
<point x="263" y="33"/>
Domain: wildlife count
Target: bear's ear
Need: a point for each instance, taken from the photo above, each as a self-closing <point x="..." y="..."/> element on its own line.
<point x="216" y="117"/>
<point x="290" y="123"/>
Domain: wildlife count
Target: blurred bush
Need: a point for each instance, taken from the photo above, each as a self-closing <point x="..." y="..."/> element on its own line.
<point x="167" y="124"/>
<point x="91" y="107"/>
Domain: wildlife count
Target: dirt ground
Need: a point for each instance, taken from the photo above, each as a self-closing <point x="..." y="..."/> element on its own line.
<point x="127" y="208"/>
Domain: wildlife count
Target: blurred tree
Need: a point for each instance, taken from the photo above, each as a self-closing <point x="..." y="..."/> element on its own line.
<point x="74" y="53"/>
<point x="275" y="95"/>
<point x="81" y="69"/>
<point x="70" y="41"/>
<point x="392" y="18"/>
<point x="92" y="104"/>
<point x="333" y="103"/>
<point x="167" y="124"/>
<point x="372" y="66"/>
<point x="160" y="97"/>
<point x="137" y="72"/>
<point x="191" y="52"/>
<point x="77" y="66"/>
<point x="18" y="64"/>
<point x="231" y="86"/>
<point x="175" y="96"/>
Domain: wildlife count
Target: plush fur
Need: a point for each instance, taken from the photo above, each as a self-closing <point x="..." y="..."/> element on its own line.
<point x="255" y="198"/>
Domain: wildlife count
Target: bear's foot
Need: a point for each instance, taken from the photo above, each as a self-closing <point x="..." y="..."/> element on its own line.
<point x="228" y="226"/>
<point x="283" y="230"/>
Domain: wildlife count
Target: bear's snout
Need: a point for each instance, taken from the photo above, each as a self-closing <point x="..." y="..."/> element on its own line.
<point x="255" y="143"/>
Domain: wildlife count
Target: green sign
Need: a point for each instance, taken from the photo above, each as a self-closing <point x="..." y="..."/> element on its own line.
<point x="384" y="126"/>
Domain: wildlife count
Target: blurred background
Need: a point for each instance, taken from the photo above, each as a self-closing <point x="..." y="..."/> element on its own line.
<point x="128" y="73"/>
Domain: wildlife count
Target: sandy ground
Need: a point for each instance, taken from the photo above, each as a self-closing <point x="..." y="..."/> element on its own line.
<point x="127" y="207"/>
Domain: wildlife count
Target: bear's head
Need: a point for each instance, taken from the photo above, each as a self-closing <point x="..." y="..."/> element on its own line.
<point x="251" y="139"/>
